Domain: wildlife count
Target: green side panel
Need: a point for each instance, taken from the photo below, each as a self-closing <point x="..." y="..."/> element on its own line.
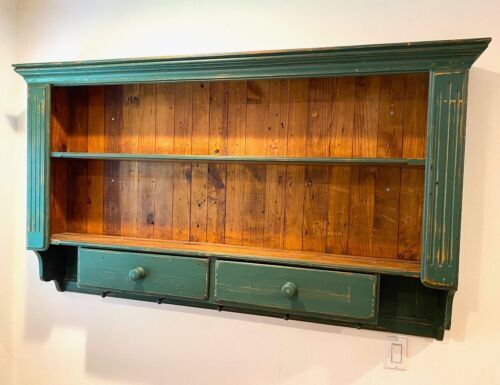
<point x="38" y="167"/>
<point x="329" y="293"/>
<point x="164" y="275"/>
<point x="444" y="179"/>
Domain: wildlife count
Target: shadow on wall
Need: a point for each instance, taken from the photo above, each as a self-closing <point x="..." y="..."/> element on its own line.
<point x="12" y="120"/>
<point x="481" y="121"/>
<point x="143" y="343"/>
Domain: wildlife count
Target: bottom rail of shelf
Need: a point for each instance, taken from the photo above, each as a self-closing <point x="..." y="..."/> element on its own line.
<point x="386" y="323"/>
<point x="300" y="258"/>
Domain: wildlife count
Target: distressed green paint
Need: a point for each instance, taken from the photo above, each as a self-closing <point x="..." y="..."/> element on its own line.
<point x="367" y="59"/>
<point x="164" y="275"/>
<point x="329" y="293"/>
<point x="444" y="179"/>
<point x="237" y="159"/>
<point x="37" y="220"/>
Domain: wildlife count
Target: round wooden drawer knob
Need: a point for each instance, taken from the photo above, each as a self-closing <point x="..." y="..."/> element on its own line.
<point x="289" y="289"/>
<point x="137" y="274"/>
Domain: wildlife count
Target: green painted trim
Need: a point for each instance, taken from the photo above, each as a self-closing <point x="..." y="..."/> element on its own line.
<point x="444" y="179"/>
<point x="38" y="167"/>
<point x="364" y="59"/>
<point x="237" y="159"/>
<point x="239" y="257"/>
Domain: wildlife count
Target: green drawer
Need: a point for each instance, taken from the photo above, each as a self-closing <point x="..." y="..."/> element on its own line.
<point x="143" y="273"/>
<point x="296" y="290"/>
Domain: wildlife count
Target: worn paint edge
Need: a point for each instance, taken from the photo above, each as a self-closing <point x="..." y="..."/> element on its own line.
<point x="382" y="58"/>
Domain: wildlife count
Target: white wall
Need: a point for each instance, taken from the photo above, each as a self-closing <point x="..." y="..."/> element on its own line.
<point x="11" y="153"/>
<point x="78" y="339"/>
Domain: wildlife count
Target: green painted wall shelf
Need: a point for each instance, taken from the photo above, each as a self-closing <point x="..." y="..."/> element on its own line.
<point x="402" y="292"/>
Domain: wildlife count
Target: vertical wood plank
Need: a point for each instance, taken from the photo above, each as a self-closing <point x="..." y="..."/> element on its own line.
<point x="145" y="204"/>
<point x="295" y="174"/>
<point x="79" y="119"/>
<point x="362" y="198"/>
<point x="391" y="113"/>
<point x="366" y="112"/>
<point x="96" y="134"/>
<point x="216" y="210"/>
<point x="165" y="129"/>
<point x="128" y="192"/>
<point x="129" y="136"/>
<point x="362" y="201"/>
<point x="113" y="117"/>
<point x="276" y="174"/>
<point x="78" y="195"/>
<point x="255" y="175"/>
<point x="60" y="124"/>
<point x="146" y="129"/>
<point x="415" y="115"/>
<point x="235" y="187"/>
<point x="339" y="178"/>
<point x="410" y="218"/>
<point x="165" y="118"/>
<point x="59" y="196"/>
<point x="182" y="170"/>
<point x="412" y="179"/>
<point x="129" y="143"/>
<point x="201" y="122"/>
<point x="386" y="212"/>
<point x="388" y="180"/>
<point x="95" y="216"/>
<point x="316" y="177"/>
<point x="95" y="201"/>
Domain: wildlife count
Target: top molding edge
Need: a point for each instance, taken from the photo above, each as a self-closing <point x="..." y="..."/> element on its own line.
<point x="362" y="59"/>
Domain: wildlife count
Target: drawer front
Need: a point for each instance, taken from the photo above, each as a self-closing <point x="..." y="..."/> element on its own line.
<point x="297" y="290"/>
<point x="143" y="273"/>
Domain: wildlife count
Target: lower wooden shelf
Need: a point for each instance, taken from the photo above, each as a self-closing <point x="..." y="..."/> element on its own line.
<point x="343" y="262"/>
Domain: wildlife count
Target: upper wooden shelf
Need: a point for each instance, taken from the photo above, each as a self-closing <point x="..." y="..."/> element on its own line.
<point x="239" y="158"/>
<point x="305" y="258"/>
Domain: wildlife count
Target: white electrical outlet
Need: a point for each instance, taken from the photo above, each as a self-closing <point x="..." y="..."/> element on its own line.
<point x="395" y="352"/>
